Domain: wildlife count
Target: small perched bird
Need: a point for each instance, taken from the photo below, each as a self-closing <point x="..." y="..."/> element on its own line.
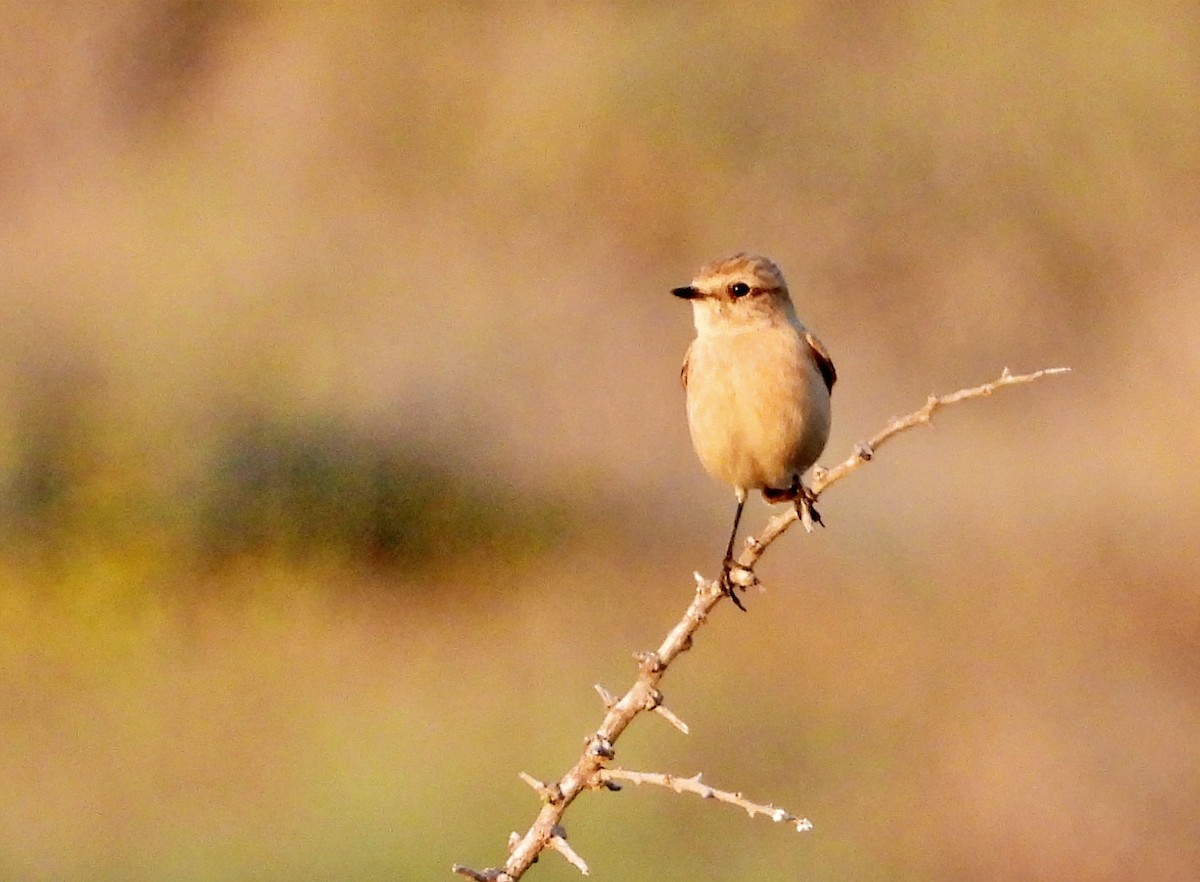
<point x="758" y="386"/>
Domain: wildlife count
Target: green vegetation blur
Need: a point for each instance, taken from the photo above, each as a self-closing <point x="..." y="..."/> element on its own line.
<point x="342" y="446"/>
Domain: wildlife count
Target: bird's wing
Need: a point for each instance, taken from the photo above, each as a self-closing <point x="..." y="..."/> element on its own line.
<point x="687" y="360"/>
<point x="820" y="356"/>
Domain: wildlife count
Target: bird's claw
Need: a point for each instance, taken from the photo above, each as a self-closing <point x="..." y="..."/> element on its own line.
<point x="806" y="506"/>
<point x="729" y="586"/>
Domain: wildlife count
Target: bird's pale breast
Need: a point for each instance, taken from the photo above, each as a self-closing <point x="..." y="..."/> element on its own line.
<point x="758" y="408"/>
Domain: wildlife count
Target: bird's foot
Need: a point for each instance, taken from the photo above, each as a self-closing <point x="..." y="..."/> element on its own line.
<point x="806" y="507"/>
<point x="734" y="577"/>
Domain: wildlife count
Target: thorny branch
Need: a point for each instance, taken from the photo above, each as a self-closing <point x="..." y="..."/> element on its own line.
<point x="609" y="777"/>
<point x="589" y="771"/>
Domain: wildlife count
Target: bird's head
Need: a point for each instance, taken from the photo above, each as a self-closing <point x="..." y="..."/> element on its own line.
<point x="737" y="293"/>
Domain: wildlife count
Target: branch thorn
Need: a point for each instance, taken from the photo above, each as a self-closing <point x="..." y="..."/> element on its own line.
<point x="546" y="792"/>
<point x="663" y="711"/>
<point x="607" y="697"/>
<point x="558" y="842"/>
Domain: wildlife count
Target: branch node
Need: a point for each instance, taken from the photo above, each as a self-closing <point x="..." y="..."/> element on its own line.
<point x="654" y="699"/>
<point x="863" y="451"/>
<point x="743" y="576"/>
<point x="649" y="662"/>
<point x="600" y="746"/>
<point x="599" y="781"/>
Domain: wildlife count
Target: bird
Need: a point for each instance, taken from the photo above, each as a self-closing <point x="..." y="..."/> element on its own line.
<point x="758" y="386"/>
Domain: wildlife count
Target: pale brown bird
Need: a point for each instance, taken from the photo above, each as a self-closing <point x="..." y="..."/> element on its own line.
<point x="758" y="385"/>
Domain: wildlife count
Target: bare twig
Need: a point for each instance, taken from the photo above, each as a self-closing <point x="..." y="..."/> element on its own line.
<point x="696" y="786"/>
<point x="589" y="770"/>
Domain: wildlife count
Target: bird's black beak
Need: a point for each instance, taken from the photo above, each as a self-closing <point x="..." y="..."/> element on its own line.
<point x="687" y="292"/>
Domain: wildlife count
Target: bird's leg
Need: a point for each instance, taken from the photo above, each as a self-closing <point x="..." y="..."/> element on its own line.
<point x="727" y="565"/>
<point x="737" y="517"/>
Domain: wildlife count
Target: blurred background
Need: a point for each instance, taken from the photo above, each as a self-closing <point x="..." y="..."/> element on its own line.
<point x="342" y="447"/>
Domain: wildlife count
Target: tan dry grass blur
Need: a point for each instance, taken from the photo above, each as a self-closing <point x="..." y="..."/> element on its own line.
<point x="447" y="236"/>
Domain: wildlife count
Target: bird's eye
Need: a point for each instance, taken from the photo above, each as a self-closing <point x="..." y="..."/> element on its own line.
<point x="739" y="289"/>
